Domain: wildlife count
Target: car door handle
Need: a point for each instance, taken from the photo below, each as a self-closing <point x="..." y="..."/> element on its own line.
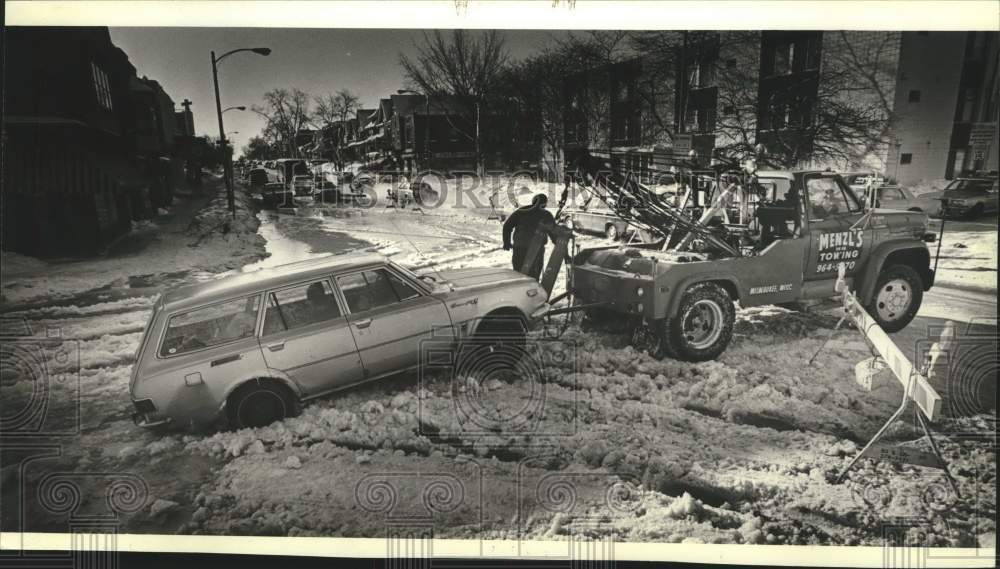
<point x="363" y="323"/>
<point x="277" y="347"/>
<point x="225" y="360"/>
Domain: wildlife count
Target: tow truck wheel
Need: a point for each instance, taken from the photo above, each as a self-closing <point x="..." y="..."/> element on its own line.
<point x="703" y="326"/>
<point x="611" y="232"/>
<point x="898" y="294"/>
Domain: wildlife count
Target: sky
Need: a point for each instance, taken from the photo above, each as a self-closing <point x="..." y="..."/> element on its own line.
<point x="318" y="61"/>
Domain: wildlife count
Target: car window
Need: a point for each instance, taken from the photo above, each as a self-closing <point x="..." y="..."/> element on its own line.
<point x="826" y="198"/>
<point x="210" y="326"/>
<point x="978" y="186"/>
<point x="373" y="289"/>
<point x="300" y="306"/>
<point x="891" y="195"/>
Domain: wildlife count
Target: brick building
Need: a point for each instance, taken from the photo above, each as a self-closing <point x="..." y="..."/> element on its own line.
<point x="87" y="145"/>
<point x="731" y="90"/>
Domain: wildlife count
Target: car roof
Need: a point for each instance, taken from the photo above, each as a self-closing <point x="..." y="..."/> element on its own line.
<point x="775" y="174"/>
<point x="198" y="294"/>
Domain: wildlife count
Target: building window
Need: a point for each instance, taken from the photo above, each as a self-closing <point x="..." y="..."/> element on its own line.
<point x="802" y="114"/>
<point x="906" y="158"/>
<point x="702" y="74"/>
<point x="102" y="87"/>
<point x="812" y="53"/>
<point x="784" y="55"/>
<point x="914" y="96"/>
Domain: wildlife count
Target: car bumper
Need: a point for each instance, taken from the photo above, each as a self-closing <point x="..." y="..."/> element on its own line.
<point x="539" y="313"/>
<point x="149" y="421"/>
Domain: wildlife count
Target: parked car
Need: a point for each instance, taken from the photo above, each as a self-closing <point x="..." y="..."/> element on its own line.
<point x="861" y="181"/>
<point x="969" y="198"/>
<point x="257" y="177"/>
<point x="598" y="218"/>
<point x="275" y="195"/>
<point x="250" y="347"/>
<point x="897" y="197"/>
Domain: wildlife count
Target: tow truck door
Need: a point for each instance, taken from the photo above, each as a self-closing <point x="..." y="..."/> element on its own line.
<point x="832" y="211"/>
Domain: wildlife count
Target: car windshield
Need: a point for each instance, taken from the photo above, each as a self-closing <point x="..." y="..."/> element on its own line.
<point x="976" y="186"/>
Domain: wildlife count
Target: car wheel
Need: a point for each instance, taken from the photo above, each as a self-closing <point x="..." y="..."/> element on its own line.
<point x="260" y="403"/>
<point x="975" y="213"/>
<point x="703" y="326"/>
<point x="611" y="232"/>
<point x="897" y="297"/>
<point x="500" y="339"/>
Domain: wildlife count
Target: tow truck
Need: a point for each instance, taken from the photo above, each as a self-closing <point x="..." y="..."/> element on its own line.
<point x="765" y="237"/>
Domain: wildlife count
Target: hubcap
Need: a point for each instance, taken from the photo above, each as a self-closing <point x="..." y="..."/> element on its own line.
<point x="703" y="324"/>
<point x="893" y="300"/>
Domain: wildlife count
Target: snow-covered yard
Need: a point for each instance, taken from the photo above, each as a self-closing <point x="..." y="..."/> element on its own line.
<point x="590" y="438"/>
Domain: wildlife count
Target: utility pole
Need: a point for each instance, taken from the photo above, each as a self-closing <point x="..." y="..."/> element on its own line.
<point x="230" y="196"/>
<point x="223" y="146"/>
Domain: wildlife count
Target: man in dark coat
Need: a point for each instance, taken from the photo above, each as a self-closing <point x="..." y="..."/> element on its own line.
<point x="523" y="223"/>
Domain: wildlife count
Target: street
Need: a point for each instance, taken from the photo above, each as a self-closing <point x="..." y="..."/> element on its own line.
<point x="743" y="449"/>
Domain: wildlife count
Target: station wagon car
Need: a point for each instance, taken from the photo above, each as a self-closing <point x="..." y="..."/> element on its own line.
<point x="250" y="347"/>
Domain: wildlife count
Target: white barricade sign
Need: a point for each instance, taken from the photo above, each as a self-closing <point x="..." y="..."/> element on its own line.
<point x="916" y="385"/>
<point x="916" y="388"/>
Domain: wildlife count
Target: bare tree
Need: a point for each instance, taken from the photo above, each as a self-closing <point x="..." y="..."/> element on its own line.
<point x="334" y="109"/>
<point x="533" y="88"/>
<point x="287" y="113"/>
<point x="459" y="73"/>
<point x="838" y="112"/>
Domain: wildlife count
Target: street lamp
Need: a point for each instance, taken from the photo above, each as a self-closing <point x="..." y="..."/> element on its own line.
<point x="218" y="108"/>
<point x="239" y="108"/>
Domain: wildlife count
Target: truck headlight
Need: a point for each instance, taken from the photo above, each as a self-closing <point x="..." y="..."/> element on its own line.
<point x="639" y="291"/>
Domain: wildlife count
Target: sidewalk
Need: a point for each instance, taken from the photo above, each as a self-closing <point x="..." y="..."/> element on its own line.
<point x="196" y="235"/>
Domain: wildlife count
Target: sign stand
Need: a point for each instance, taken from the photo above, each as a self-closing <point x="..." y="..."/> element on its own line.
<point x="916" y="387"/>
<point x="494" y="214"/>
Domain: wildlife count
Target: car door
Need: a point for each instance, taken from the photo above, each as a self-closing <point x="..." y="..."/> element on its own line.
<point x="209" y="349"/>
<point x="307" y="336"/>
<point x="389" y="318"/>
<point x="833" y="211"/>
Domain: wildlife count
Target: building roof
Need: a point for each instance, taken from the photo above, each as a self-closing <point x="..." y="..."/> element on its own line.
<point x="190" y="296"/>
<point x="405" y="105"/>
<point x="363" y="116"/>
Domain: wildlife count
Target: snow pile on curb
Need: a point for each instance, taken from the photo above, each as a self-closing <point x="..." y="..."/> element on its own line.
<point x="927" y="186"/>
<point x="215" y="221"/>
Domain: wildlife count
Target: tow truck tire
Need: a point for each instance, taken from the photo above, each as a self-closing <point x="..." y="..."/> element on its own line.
<point x="260" y="403"/>
<point x="703" y="326"/>
<point x="897" y="297"/>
